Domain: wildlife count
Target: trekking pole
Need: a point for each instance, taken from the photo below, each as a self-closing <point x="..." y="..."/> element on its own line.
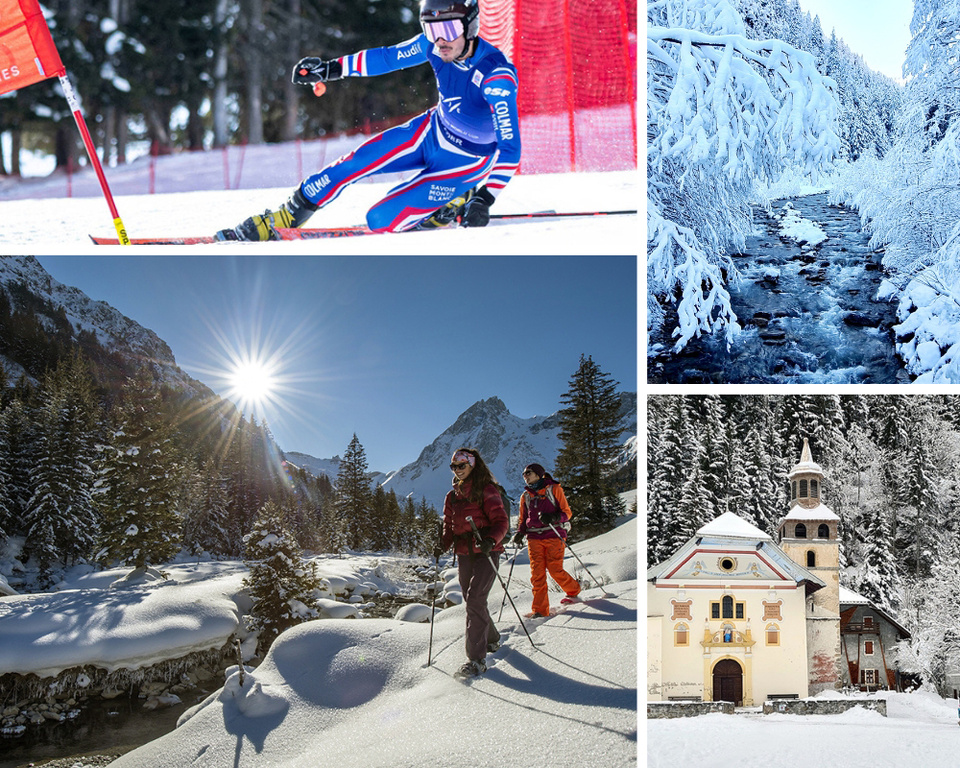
<point x="509" y="576"/>
<point x="433" y="603"/>
<point x="476" y="534"/>
<point x="433" y="598"/>
<point x="579" y="560"/>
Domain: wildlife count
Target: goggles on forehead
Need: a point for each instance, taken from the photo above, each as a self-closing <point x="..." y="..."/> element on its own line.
<point x="463" y="456"/>
<point x="449" y="30"/>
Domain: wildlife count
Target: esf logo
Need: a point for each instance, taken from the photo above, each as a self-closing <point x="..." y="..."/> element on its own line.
<point x="8" y="73"/>
<point x="501" y="111"/>
<point x="496" y="91"/>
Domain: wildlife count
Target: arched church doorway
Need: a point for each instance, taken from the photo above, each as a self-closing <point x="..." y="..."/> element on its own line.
<point x="728" y="682"/>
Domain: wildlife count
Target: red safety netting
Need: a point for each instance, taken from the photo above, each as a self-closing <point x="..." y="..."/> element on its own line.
<point x="577" y="63"/>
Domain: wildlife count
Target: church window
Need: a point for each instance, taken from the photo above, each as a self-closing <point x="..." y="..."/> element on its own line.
<point x="868" y="647"/>
<point x="814" y="489"/>
<point x="793" y="489"/>
<point x="800" y="531"/>
<point x="823" y="532"/>
<point x="773" y="634"/>
<point x="811" y="559"/>
<point x="727" y="563"/>
<point x="681" y="635"/>
<point x="803" y="489"/>
<point x="727" y="608"/>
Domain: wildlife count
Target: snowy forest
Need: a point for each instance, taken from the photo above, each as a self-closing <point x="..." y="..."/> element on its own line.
<point x="175" y="75"/>
<point x="100" y="462"/>
<point x="892" y="474"/>
<point x="749" y="98"/>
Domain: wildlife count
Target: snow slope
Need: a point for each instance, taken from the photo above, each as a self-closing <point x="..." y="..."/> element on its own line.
<point x="359" y="693"/>
<point x="62" y="224"/>
<point x="920" y="730"/>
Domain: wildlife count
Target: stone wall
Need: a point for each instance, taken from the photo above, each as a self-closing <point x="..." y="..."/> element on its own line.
<point x="822" y="706"/>
<point x="664" y="709"/>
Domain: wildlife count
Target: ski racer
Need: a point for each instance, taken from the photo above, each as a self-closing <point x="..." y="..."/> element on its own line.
<point x="543" y="519"/>
<point x="466" y="148"/>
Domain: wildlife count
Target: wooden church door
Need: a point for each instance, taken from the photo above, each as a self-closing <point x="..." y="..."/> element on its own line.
<point x="728" y="682"/>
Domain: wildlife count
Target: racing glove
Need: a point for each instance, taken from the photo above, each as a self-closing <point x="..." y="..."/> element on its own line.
<point x="476" y="211"/>
<point x="311" y="69"/>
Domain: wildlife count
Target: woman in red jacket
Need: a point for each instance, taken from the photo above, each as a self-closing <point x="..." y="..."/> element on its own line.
<point x="544" y="512"/>
<point x="475" y="494"/>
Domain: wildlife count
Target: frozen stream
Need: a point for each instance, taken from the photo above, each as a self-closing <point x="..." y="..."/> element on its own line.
<point x="807" y="311"/>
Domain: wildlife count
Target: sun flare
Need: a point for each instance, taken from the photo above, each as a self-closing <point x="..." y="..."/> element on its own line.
<point x="253" y="383"/>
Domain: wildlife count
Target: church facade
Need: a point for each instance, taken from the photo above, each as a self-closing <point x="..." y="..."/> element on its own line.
<point x="735" y="616"/>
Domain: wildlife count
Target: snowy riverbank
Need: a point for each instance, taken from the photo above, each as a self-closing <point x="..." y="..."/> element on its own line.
<point x="360" y="693"/>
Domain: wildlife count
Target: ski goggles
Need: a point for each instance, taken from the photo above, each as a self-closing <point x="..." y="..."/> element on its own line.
<point x="460" y="458"/>
<point x="449" y="30"/>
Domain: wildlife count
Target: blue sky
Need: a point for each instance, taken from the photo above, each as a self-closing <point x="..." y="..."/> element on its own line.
<point x="879" y="30"/>
<point x="391" y="348"/>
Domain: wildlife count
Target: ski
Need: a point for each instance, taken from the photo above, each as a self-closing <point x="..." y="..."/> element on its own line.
<point x="350" y="231"/>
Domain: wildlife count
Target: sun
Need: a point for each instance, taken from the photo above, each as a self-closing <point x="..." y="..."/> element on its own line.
<point x="253" y="383"/>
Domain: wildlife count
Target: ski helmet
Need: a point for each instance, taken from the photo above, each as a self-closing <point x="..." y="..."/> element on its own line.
<point x="467" y="11"/>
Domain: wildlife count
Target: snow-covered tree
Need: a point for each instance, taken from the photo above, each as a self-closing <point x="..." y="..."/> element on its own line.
<point x="60" y="519"/>
<point x="281" y="584"/>
<point x="140" y="522"/>
<point x="724" y="113"/>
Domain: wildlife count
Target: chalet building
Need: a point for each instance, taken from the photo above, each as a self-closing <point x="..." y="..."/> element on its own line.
<point x="735" y="616"/>
<point x="868" y="634"/>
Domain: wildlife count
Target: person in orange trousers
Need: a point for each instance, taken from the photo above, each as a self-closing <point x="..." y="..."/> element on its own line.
<point x="544" y="520"/>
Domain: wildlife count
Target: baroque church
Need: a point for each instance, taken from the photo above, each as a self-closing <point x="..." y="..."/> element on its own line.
<point x="735" y="616"/>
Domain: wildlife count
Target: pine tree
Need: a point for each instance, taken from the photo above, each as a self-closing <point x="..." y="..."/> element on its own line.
<point x="879" y="580"/>
<point x="281" y="584"/>
<point x="60" y="519"/>
<point x="590" y="436"/>
<point x="141" y="524"/>
<point x="354" y="496"/>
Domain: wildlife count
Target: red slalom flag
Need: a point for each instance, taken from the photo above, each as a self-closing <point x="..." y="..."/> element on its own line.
<point x="29" y="55"/>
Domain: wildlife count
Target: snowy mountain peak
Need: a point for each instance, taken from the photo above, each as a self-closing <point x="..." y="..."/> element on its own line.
<point x="113" y="330"/>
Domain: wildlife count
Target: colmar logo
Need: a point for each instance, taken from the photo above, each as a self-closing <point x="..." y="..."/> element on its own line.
<point x="315" y="187"/>
<point x="501" y="111"/>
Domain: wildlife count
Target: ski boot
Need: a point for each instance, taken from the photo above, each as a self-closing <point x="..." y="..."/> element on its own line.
<point x="292" y="213"/>
<point x="449" y="214"/>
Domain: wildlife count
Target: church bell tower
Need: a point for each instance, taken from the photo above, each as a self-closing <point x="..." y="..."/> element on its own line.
<point x="809" y="535"/>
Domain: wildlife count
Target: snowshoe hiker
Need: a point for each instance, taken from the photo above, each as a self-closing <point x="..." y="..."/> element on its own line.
<point x="474" y="499"/>
<point x="465" y="149"/>
<point x="544" y="520"/>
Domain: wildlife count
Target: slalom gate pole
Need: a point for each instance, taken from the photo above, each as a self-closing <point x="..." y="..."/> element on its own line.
<point x="476" y="534"/>
<point x="578" y="559"/>
<point x="74" y="103"/>
<point x="509" y="576"/>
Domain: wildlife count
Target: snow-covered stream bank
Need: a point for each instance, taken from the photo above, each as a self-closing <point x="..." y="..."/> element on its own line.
<point x="807" y="306"/>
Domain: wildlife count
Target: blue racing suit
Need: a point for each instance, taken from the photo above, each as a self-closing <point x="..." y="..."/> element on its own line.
<point x="470" y="138"/>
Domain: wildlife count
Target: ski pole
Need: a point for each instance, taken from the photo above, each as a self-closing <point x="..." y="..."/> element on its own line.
<point x="476" y="534"/>
<point x="578" y="559"/>
<point x="433" y="603"/>
<point x="433" y="597"/>
<point x="509" y="576"/>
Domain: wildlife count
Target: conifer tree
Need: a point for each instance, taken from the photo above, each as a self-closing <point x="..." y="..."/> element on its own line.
<point x="141" y="524"/>
<point x="7" y="515"/>
<point x="60" y="519"/>
<point x="354" y="497"/>
<point x="590" y="436"/>
<point x="281" y="584"/>
<point x="879" y="580"/>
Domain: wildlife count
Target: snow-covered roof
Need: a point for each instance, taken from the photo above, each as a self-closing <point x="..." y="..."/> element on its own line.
<point x="729" y="525"/>
<point x="849" y="597"/>
<point x="806" y="463"/>
<point x="819" y="512"/>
